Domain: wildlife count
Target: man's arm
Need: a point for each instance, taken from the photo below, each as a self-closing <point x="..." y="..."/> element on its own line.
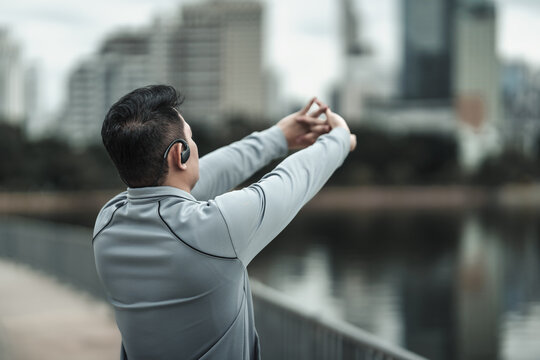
<point x="256" y="214"/>
<point x="225" y="168"/>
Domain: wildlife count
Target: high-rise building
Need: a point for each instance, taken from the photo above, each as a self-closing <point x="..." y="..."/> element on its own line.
<point x="121" y="65"/>
<point x="361" y="77"/>
<point x="218" y="52"/>
<point x="12" y="80"/>
<point x="476" y="67"/>
<point x="477" y="92"/>
<point x="450" y="54"/>
<point x="521" y="92"/>
<point x="127" y="60"/>
<point x="35" y="121"/>
<point x="80" y="121"/>
<point x="212" y="54"/>
<point x="428" y="49"/>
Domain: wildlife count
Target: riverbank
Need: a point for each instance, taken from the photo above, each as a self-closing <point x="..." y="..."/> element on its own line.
<point x="330" y="198"/>
<point x="426" y="198"/>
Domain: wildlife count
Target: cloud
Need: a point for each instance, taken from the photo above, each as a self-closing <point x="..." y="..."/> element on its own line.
<point x="518" y="31"/>
<point x="531" y="5"/>
<point x="56" y="33"/>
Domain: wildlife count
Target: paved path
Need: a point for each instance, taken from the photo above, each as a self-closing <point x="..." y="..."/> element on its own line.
<point x="43" y="319"/>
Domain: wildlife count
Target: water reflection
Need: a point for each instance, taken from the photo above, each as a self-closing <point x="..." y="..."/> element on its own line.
<point x="478" y="291"/>
<point x="445" y="285"/>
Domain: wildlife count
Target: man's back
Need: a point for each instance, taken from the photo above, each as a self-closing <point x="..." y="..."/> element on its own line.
<point x="173" y="277"/>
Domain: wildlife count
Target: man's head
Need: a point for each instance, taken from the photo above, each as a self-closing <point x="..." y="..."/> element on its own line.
<point x="139" y="128"/>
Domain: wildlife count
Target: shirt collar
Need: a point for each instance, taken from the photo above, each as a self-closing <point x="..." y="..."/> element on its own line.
<point x="157" y="191"/>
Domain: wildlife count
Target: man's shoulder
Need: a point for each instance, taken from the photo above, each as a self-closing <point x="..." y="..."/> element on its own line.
<point x="192" y="216"/>
<point x="199" y="224"/>
<point x="107" y="211"/>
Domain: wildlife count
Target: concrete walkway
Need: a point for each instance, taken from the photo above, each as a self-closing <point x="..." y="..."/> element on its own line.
<point x="43" y="319"/>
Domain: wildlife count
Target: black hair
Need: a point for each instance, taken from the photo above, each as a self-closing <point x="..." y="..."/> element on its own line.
<point x="137" y="130"/>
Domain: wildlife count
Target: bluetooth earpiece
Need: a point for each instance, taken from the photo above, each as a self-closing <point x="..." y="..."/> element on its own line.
<point x="184" y="156"/>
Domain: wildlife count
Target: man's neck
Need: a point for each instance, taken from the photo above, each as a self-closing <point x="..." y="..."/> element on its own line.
<point x="177" y="183"/>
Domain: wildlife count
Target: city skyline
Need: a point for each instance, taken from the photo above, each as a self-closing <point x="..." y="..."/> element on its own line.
<point x="211" y="51"/>
<point x="295" y="31"/>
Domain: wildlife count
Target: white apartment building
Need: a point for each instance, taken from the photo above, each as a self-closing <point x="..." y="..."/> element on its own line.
<point x="121" y="66"/>
<point x="218" y="52"/>
<point x="211" y="52"/>
<point x="476" y="66"/>
<point x="12" y="80"/>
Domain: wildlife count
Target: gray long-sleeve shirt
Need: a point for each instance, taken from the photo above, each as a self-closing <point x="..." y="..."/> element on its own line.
<point x="173" y="264"/>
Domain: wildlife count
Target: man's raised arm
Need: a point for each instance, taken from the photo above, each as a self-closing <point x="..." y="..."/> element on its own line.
<point x="227" y="167"/>
<point x="257" y="213"/>
<point x="224" y="168"/>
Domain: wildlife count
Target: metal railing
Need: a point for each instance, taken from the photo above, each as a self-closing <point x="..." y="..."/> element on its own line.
<point x="63" y="251"/>
<point x="289" y="331"/>
<point x="286" y="330"/>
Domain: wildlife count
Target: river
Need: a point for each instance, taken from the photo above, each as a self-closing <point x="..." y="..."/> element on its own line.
<point x="446" y="285"/>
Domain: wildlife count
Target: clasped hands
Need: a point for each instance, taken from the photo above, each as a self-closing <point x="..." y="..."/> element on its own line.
<point x="302" y="128"/>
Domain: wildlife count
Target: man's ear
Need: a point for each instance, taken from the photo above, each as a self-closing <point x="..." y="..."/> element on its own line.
<point x="177" y="156"/>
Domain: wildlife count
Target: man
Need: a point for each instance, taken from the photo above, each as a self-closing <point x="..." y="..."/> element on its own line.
<point x="172" y="250"/>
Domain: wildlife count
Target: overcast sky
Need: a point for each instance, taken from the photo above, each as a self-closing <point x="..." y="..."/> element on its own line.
<point x="301" y="35"/>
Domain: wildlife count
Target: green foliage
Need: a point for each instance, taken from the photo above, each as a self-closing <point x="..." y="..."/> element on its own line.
<point x="509" y="167"/>
<point x="380" y="159"/>
<point x="390" y="159"/>
<point x="50" y="164"/>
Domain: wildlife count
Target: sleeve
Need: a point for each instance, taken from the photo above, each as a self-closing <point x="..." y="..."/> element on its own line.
<point x="256" y="214"/>
<point x="225" y="168"/>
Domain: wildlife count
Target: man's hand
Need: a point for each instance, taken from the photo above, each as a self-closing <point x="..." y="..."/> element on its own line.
<point x="335" y="120"/>
<point x="302" y="129"/>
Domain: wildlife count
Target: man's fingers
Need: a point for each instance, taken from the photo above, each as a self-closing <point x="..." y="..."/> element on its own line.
<point x="320" y="129"/>
<point x="320" y="103"/>
<point x="307" y="139"/>
<point x="308" y="106"/>
<point x="310" y="120"/>
<point x="353" y="142"/>
<point x="321" y="110"/>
